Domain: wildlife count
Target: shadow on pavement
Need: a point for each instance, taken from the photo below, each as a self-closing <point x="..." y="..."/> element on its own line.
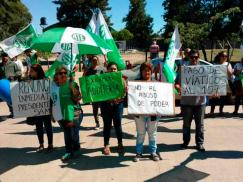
<point x="14" y="157"/>
<point x="183" y="173"/>
<point x="3" y="118"/>
<point x="113" y="134"/>
<point x="167" y="130"/>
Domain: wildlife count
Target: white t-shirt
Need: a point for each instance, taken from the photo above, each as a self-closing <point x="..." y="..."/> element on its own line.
<point x="20" y="65"/>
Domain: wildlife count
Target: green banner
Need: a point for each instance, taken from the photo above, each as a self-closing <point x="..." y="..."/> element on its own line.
<point x="103" y="87"/>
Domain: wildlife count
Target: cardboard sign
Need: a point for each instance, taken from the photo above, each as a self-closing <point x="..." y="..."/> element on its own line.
<point x="102" y="87"/>
<point x="150" y="98"/>
<point x="30" y="98"/>
<point x="204" y="80"/>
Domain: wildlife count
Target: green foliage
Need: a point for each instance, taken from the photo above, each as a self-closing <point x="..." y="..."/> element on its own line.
<point x="203" y="20"/>
<point x="123" y="34"/>
<point x="13" y="17"/>
<point x="77" y="13"/>
<point x="139" y="23"/>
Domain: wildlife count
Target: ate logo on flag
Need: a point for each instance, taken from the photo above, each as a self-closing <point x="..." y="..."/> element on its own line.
<point x="66" y="59"/>
<point x="78" y="37"/>
<point x="21" y="41"/>
<point x="102" y="31"/>
<point x="66" y="47"/>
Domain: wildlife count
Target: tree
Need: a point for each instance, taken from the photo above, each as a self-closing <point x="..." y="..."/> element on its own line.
<point x="139" y="23"/>
<point x="77" y="13"/>
<point x="123" y="34"/>
<point x="203" y="21"/>
<point x="13" y="17"/>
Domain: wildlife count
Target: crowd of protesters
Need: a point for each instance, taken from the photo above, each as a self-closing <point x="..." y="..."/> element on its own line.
<point x="65" y="92"/>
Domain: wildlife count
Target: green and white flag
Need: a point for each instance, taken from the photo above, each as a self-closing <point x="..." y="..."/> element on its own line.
<point x="98" y="26"/>
<point x="18" y="43"/>
<point x="64" y="58"/>
<point x="174" y="47"/>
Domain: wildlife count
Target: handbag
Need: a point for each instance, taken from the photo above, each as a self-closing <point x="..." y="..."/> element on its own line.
<point x="31" y="120"/>
<point x="78" y="115"/>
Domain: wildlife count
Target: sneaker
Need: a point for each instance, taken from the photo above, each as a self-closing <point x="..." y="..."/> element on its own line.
<point x="107" y="150"/>
<point x="154" y="157"/>
<point x="40" y="148"/>
<point x="120" y="149"/>
<point x="235" y="113"/>
<point x="200" y="148"/>
<point x="66" y="156"/>
<point x="137" y="157"/>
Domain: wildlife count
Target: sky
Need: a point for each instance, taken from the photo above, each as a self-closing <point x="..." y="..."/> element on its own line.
<point x="119" y="9"/>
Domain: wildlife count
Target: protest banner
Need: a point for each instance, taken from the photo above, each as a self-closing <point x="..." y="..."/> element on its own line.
<point x="30" y="98"/>
<point x="204" y="80"/>
<point x="102" y="87"/>
<point x="150" y="98"/>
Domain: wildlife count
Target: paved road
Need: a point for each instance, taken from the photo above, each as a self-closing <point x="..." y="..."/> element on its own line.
<point x="223" y="160"/>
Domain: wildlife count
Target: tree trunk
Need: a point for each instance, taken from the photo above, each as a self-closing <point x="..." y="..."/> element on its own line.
<point x="203" y="51"/>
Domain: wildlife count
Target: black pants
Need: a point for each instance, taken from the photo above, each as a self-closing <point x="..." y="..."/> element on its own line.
<point x="196" y="112"/>
<point x="238" y="101"/>
<point x="46" y="121"/>
<point x="221" y="101"/>
<point x="112" y="112"/>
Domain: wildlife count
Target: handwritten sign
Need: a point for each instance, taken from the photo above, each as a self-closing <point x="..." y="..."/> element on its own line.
<point x="150" y="98"/>
<point x="102" y="87"/>
<point x="203" y="80"/>
<point x="30" y="98"/>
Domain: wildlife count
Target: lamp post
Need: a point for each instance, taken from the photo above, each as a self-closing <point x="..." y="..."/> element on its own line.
<point x="43" y="25"/>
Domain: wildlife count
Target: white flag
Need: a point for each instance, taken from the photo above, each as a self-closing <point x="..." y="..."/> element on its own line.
<point x="18" y="43"/>
<point x="174" y="47"/>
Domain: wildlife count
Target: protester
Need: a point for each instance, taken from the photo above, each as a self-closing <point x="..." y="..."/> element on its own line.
<point x="185" y="61"/>
<point x="128" y="65"/>
<point x="31" y="58"/>
<point x="238" y="72"/>
<point x="154" y="50"/>
<point x="65" y="96"/>
<point x="146" y="123"/>
<point x="87" y="63"/>
<point x="19" y="64"/>
<point x="94" y="70"/>
<point x="192" y="107"/>
<point x="10" y="71"/>
<point x="37" y="73"/>
<point x="221" y="59"/>
<point x="112" y="111"/>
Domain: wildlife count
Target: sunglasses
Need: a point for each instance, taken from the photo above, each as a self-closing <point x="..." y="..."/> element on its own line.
<point x="194" y="57"/>
<point x="62" y="73"/>
<point x="224" y="56"/>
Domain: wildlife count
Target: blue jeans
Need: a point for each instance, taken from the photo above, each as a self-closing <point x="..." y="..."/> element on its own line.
<point x="144" y="124"/>
<point x="188" y="113"/>
<point x="46" y="121"/>
<point x="112" y="112"/>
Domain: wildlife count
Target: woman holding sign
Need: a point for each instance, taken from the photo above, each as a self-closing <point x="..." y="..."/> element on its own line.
<point x="112" y="111"/>
<point x="146" y="123"/>
<point x="65" y="96"/>
<point x="37" y="73"/>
